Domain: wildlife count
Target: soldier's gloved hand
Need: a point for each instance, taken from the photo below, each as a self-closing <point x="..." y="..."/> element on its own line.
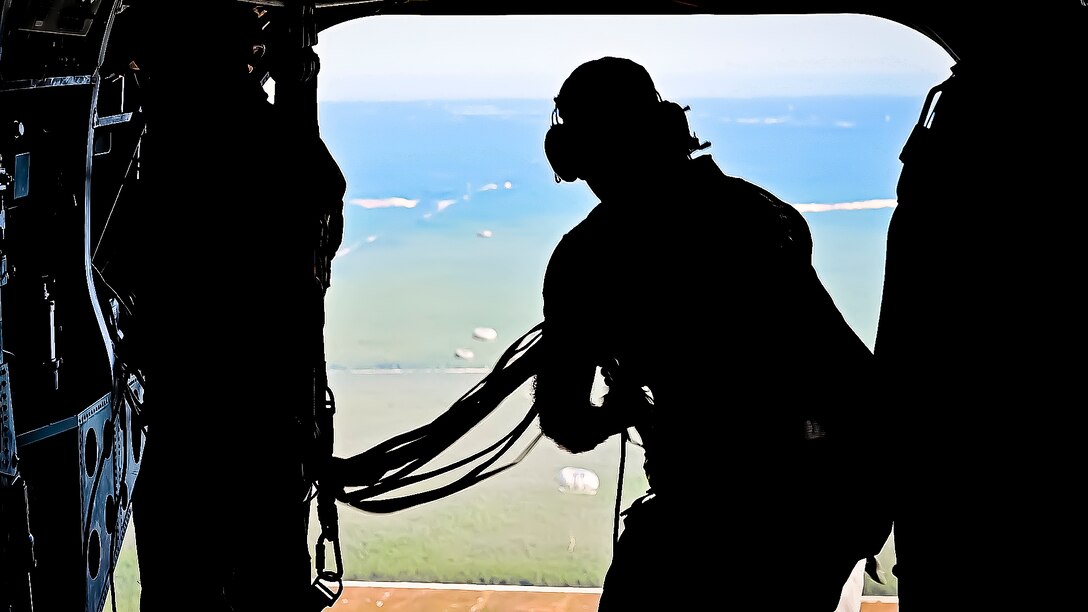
<point x="578" y="431"/>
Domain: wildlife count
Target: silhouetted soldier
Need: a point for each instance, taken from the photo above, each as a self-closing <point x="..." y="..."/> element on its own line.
<point x="977" y="333"/>
<point x="230" y="318"/>
<point x="694" y="292"/>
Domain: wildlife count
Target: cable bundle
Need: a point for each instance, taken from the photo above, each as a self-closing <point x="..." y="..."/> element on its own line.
<point x="393" y="464"/>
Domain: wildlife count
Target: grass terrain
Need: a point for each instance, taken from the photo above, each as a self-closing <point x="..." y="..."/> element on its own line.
<point x="514" y="528"/>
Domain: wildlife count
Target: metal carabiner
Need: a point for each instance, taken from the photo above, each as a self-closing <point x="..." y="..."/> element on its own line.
<point x="322" y="596"/>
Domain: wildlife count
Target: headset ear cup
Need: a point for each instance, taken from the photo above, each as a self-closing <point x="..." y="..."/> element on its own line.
<point x="674" y="134"/>
<point x="561" y="152"/>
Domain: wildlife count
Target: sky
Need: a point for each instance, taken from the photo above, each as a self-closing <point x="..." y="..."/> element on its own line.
<point x="412" y="57"/>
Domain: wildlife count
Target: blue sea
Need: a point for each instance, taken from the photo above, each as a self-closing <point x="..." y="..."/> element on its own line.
<point x="452" y="212"/>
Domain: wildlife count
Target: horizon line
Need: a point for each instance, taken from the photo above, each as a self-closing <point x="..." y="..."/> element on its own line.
<point x="548" y="99"/>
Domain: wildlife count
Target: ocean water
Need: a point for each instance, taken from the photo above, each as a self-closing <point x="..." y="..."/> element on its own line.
<point x="452" y="211"/>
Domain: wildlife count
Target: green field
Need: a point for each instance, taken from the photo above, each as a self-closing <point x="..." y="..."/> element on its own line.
<point x="518" y="527"/>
